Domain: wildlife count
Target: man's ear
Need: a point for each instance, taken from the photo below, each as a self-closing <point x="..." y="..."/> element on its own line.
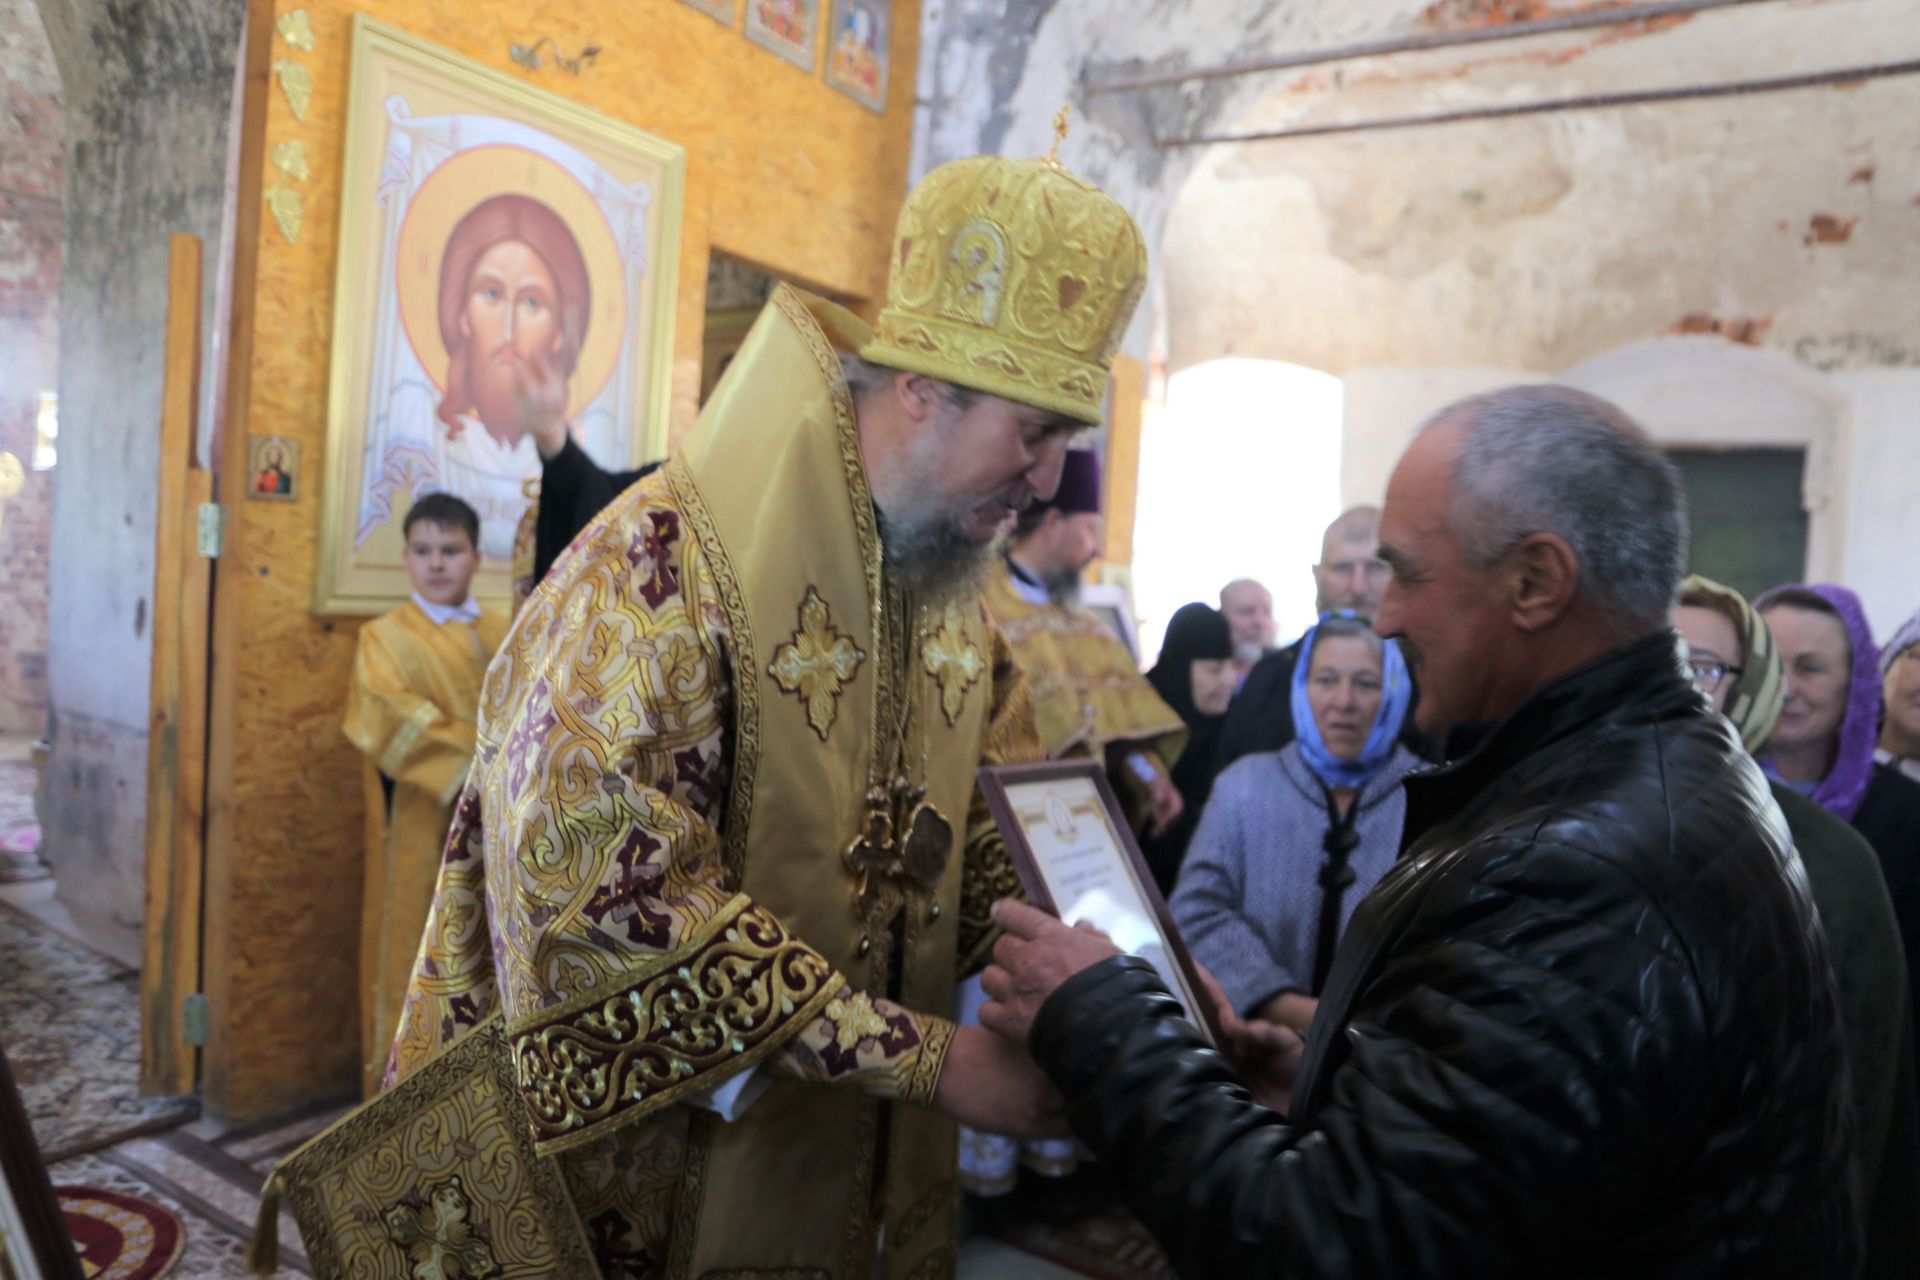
<point x="919" y="396"/>
<point x="1542" y="577"/>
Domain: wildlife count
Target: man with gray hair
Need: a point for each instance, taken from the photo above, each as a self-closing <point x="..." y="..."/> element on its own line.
<point x="1585" y="1026"/>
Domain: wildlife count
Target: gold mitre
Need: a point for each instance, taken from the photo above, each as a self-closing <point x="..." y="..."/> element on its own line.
<point x="1012" y="277"/>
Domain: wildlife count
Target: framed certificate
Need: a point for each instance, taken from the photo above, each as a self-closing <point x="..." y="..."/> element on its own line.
<point x="1076" y="858"/>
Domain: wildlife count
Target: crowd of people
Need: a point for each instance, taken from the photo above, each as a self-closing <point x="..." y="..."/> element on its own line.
<point x="1561" y="907"/>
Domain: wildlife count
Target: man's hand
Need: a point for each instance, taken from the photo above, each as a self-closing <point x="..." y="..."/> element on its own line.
<point x="1289" y="1009"/>
<point x="1035" y="954"/>
<point x="1265" y="1054"/>
<point x="991" y="1084"/>
<point x="1165" y="804"/>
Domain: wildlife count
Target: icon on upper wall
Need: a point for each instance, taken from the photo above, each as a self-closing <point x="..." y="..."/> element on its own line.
<point x="273" y="468"/>
<point x="786" y="27"/>
<point x="719" y="10"/>
<point x="858" y="50"/>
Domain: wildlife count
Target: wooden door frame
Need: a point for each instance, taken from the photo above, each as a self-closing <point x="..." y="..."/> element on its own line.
<point x="177" y="719"/>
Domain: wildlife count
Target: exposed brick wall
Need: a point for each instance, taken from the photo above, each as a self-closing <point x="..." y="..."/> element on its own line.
<point x="30" y="232"/>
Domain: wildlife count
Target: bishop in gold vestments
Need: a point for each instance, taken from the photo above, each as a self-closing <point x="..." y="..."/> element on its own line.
<point x="720" y="858"/>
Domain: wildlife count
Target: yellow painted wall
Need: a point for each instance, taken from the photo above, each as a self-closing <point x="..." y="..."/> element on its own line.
<point x="782" y="172"/>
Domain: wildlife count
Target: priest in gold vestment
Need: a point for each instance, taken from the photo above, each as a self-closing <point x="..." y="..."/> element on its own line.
<point x="1089" y="696"/>
<point x="720" y="860"/>
<point x="411" y="710"/>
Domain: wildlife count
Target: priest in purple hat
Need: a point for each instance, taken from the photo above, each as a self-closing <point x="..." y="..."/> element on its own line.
<point x="1089" y="698"/>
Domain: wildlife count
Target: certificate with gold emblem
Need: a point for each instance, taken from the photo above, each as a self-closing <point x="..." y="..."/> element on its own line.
<point x="1077" y="859"/>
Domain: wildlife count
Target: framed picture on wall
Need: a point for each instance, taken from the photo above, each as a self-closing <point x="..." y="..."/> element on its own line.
<point x="495" y="240"/>
<point x="785" y="26"/>
<point x="273" y="468"/>
<point x="859" y="42"/>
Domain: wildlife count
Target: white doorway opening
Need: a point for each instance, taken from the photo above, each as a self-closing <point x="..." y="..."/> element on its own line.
<point x="1239" y="477"/>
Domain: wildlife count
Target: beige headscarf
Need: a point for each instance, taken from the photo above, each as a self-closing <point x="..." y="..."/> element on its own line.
<point x="1753" y="704"/>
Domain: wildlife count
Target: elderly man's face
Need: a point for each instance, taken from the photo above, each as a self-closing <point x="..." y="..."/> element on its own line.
<point x="1249" y="610"/>
<point x="1450" y="616"/>
<point x="509" y="320"/>
<point x="1350" y="575"/>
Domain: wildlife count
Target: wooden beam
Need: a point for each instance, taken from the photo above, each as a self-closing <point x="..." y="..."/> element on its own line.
<point x="221" y="956"/>
<point x="1126" y="393"/>
<point x="177" y="725"/>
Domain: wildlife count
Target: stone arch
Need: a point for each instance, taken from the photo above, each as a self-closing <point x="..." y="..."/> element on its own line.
<point x="1707" y="392"/>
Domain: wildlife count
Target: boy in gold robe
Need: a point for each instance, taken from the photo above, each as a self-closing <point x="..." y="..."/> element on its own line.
<point x="412" y="712"/>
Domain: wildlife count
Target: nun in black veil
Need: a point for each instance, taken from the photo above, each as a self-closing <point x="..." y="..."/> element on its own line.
<point x="1194" y="675"/>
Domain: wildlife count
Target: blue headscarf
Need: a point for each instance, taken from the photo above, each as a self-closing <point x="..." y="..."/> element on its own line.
<point x="1396" y="691"/>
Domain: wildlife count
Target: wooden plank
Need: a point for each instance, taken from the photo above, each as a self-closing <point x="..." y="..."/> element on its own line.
<point x="222" y="954"/>
<point x="1126" y="392"/>
<point x="176" y="743"/>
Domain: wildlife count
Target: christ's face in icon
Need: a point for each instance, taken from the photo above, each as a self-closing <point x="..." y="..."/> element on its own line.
<point x="512" y="327"/>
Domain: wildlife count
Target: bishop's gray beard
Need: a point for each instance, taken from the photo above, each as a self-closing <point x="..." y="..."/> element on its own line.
<point x="932" y="558"/>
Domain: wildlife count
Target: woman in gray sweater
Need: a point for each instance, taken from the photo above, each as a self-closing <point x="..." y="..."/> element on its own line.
<point x="1291" y="840"/>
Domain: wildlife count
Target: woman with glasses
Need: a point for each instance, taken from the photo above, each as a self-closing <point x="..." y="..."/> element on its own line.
<point x="1900" y="695"/>
<point x="1291" y="840"/>
<point x="1736" y="665"/>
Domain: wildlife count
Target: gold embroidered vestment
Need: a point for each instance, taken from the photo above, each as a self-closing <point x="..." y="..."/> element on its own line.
<point x="707" y="830"/>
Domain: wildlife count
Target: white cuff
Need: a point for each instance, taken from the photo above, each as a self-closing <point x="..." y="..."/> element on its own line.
<point x="731" y="1099"/>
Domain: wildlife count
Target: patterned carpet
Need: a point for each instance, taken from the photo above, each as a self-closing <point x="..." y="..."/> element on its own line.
<point x="70" y="1019"/>
<point x="1076" y="1222"/>
<point x="215" y="1194"/>
<point x="120" y="1236"/>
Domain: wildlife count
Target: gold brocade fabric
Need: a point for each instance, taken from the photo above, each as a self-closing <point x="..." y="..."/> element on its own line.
<point x="1087" y="691"/>
<point x="525" y="536"/>
<point x="411" y="711"/>
<point x="441" y="1180"/>
<point x="668" y="864"/>
<point x="1015" y="278"/>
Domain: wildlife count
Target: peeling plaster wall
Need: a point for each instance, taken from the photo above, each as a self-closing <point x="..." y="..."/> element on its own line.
<point x="1535" y="242"/>
<point x="147" y="89"/>
<point x="1883" y="493"/>
<point x="1862" y="489"/>
<point x="1425" y="265"/>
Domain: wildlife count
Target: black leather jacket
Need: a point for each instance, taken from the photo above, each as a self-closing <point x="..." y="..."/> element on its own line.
<point x="1585" y="1027"/>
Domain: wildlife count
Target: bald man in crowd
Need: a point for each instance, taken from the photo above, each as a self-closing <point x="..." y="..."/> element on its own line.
<point x="1350" y="575"/>
<point x="1248" y="607"/>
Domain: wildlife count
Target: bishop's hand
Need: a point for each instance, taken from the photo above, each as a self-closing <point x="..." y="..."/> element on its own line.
<point x="990" y="1084"/>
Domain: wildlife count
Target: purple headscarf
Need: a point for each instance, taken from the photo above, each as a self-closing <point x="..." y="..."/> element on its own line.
<point x="1845" y="785"/>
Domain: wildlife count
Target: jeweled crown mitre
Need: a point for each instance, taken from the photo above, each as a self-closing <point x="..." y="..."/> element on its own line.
<point x="1012" y="277"/>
